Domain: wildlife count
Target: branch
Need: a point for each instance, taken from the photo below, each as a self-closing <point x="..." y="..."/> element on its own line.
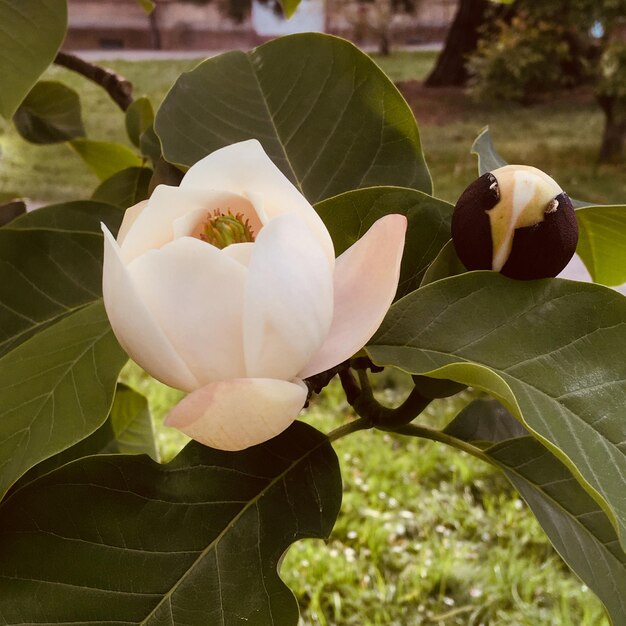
<point x="362" y="400"/>
<point x="115" y="85"/>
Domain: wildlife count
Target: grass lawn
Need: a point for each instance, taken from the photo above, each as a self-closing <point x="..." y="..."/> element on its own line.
<point x="427" y="535"/>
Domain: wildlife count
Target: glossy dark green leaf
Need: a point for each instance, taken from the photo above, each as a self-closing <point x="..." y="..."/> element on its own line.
<point x="150" y="145"/>
<point x="349" y="215"/>
<point x="446" y="264"/>
<point x="602" y="242"/>
<point x="550" y="350"/>
<point x="324" y="112"/>
<point x="125" y="188"/>
<point x="31" y="33"/>
<point x="485" y="422"/>
<point x="50" y="113"/>
<point x="11" y="210"/>
<point x="165" y="174"/>
<point x="577" y="527"/>
<point x="105" y="158"/>
<point x="131" y="424"/>
<point x="197" y="541"/>
<point x="56" y="388"/>
<point x="50" y="266"/>
<point x="127" y="430"/>
<point x="139" y="118"/>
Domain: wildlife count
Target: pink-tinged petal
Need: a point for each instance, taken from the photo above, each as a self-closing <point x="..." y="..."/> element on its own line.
<point x="241" y="252"/>
<point x="135" y="327"/>
<point x="237" y="414"/>
<point x="289" y="299"/>
<point x="154" y="226"/>
<point x="196" y="295"/>
<point x="130" y="216"/>
<point x="244" y="168"/>
<point x="366" y="280"/>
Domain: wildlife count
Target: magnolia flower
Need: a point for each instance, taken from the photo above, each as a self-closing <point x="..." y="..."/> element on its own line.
<point x="227" y="287"/>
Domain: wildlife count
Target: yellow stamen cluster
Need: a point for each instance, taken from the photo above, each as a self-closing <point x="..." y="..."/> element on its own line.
<point x="223" y="229"/>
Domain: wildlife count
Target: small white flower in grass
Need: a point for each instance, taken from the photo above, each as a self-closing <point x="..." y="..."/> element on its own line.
<point x="227" y="287"/>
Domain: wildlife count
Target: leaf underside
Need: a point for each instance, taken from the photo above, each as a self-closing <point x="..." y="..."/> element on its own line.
<point x="546" y="349"/>
<point x="577" y="527"/>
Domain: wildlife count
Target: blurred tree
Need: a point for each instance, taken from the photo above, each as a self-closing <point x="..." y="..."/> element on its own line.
<point x="462" y="39"/>
<point x="235" y="9"/>
<point x="374" y="18"/>
<point x="554" y="44"/>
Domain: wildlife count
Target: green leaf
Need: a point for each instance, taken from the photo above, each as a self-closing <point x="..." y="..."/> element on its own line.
<point x="50" y="266"/>
<point x="11" y="210"/>
<point x="485" y="151"/>
<point x="197" y="541"/>
<point x="577" y="527"/>
<point x="602" y="242"/>
<point x="549" y="350"/>
<point x="489" y="159"/>
<point x="325" y="113"/>
<point x="485" y="422"/>
<point x="128" y="430"/>
<point x="150" y="145"/>
<point x="446" y="264"/>
<point x="147" y="5"/>
<point x="131" y="424"/>
<point x="139" y="118"/>
<point x="80" y="216"/>
<point x="50" y="113"/>
<point x="125" y="188"/>
<point x="289" y="7"/>
<point x="31" y="33"/>
<point x="105" y="158"/>
<point x="349" y="215"/>
<point x="56" y="389"/>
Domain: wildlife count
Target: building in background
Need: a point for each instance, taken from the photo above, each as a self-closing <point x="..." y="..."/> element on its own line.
<point x="181" y="25"/>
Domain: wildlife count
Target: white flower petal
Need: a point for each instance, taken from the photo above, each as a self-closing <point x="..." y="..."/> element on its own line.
<point x="237" y="414"/>
<point x="196" y="295"/>
<point x="154" y="227"/>
<point x="366" y="279"/>
<point x="241" y="252"/>
<point x="244" y="168"/>
<point x="289" y="299"/>
<point x="130" y="216"/>
<point x="189" y="224"/>
<point x="135" y="327"/>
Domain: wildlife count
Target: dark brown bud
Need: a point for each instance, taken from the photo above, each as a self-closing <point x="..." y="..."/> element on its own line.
<point x="515" y="220"/>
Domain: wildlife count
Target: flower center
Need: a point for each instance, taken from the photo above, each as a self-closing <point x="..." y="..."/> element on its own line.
<point x="221" y="230"/>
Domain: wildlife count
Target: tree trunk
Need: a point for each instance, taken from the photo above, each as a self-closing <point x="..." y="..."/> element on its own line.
<point x="614" y="136"/>
<point x="384" y="43"/>
<point x="155" y="29"/>
<point x="450" y="69"/>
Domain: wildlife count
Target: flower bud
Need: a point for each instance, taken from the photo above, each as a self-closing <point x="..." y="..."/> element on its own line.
<point x="515" y="220"/>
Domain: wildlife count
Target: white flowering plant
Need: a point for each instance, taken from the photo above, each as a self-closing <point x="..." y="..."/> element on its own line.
<point x="273" y="228"/>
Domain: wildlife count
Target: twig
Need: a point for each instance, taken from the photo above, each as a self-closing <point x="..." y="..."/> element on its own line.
<point x="119" y="89"/>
